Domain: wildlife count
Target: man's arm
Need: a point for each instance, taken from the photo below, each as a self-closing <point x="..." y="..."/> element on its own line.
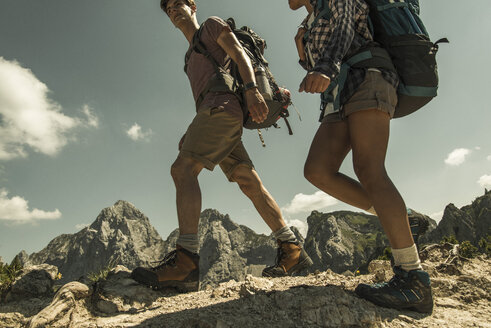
<point x="328" y="67"/>
<point x="255" y="102"/>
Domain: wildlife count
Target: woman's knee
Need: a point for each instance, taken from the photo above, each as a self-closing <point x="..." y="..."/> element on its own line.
<point x="369" y="172"/>
<point x="314" y="171"/>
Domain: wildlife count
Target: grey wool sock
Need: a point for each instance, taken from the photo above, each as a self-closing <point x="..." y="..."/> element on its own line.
<point x="285" y="234"/>
<point x="407" y="258"/>
<point x="189" y="242"/>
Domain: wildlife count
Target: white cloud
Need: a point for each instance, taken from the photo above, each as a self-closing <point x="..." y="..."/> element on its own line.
<point x="92" y="119"/>
<point x="477" y="148"/>
<point x="17" y="209"/>
<point x="136" y="133"/>
<point x="302" y="226"/>
<point x="437" y="216"/>
<point x="457" y="156"/>
<point x="81" y="226"/>
<point x="28" y="117"/>
<point x="485" y="181"/>
<point x="489" y="158"/>
<point x="302" y="203"/>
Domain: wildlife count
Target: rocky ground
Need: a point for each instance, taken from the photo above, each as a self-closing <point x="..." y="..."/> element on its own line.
<point x="323" y="299"/>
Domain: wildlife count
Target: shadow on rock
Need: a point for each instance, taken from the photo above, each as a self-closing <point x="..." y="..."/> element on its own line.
<point x="300" y="306"/>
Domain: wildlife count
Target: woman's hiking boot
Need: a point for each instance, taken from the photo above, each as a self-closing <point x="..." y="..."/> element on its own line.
<point x="179" y="269"/>
<point x="291" y="258"/>
<point x="405" y="291"/>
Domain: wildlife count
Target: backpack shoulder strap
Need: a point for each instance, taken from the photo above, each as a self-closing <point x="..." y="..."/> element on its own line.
<point x="221" y="81"/>
<point x="198" y="46"/>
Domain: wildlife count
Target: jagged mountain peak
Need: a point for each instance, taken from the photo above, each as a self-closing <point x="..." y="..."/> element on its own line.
<point x="209" y="216"/>
<point x="121" y="233"/>
<point x="120" y="213"/>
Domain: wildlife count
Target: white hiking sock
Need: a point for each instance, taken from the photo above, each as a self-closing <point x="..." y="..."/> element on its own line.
<point x="371" y="210"/>
<point x="407" y="258"/>
<point x="285" y="234"/>
<point x="189" y="242"/>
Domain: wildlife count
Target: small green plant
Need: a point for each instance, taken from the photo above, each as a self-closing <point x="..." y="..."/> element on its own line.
<point x="103" y="272"/>
<point x="484" y="245"/>
<point x="8" y="273"/>
<point x="449" y="239"/>
<point x="468" y="250"/>
<point x="387" y="255"/>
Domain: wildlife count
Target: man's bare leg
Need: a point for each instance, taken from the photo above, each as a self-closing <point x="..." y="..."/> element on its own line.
<point x="252" y="186"/>
<point x="180" y="269"/>
<point x="185" y="173"/>
<point x="291" y="258"/>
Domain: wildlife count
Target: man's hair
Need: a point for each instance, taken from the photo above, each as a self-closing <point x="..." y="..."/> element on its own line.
<point x="163" y="4"/>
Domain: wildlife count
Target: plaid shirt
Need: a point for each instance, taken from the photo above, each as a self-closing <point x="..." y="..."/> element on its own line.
<point x="342" y="35"/>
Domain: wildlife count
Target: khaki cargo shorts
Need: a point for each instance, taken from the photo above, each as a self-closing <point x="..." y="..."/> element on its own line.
<point x="373" y="93"/>
<point x="214" y="138"/>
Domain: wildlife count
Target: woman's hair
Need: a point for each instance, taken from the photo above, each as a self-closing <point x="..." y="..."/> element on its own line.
<point x="163" y="4"/>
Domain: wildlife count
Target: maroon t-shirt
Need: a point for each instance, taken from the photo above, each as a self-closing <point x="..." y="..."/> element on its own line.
<point x="200" y="69"/>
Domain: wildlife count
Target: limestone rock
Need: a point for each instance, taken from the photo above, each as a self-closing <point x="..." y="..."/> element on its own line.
<point x="65" y="309"/>
<point x="455" y="222"/>
<point x="23" y="258"/>
<point x="121" y="294"/>
<point x="325" y="299"/>
<point x="343" y="240"/>
<point x="471" y="222"/>
<point x="35" y="281"/>
<point x="121" y="234"/>
<point x="228" y="250"/>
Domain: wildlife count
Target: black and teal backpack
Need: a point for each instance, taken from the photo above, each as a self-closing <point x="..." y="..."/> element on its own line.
<point x="406" y="48"/>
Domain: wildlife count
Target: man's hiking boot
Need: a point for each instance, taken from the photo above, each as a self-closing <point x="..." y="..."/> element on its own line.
<point x="291" y="258"/>
<point x="179" y="269"/>
<point x="406" y="290"/>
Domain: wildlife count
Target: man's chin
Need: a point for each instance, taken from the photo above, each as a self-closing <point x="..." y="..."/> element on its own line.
<point x="180" y="21"/>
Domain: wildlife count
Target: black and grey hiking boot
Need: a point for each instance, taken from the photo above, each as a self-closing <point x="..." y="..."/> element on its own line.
<point x="291" y="258"/>
<point x="405" y="291"/>
<point x="179" y="269"/>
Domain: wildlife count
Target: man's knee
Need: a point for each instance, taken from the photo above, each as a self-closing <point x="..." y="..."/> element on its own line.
<point x="184" y="168"/>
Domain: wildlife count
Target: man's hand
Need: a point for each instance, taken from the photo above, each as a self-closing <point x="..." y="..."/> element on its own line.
<point x="299" y="43"/>
<point x="181" y="142"/>
<point x="256" y="105"/>
<point x="314" y="82"/>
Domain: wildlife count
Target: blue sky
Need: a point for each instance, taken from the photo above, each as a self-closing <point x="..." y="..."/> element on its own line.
<point x="93" y="101"/>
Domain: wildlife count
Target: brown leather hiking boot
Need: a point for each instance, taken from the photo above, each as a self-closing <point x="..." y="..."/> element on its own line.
<point x="179" y="269"/>
<point x="290" y="259"/>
